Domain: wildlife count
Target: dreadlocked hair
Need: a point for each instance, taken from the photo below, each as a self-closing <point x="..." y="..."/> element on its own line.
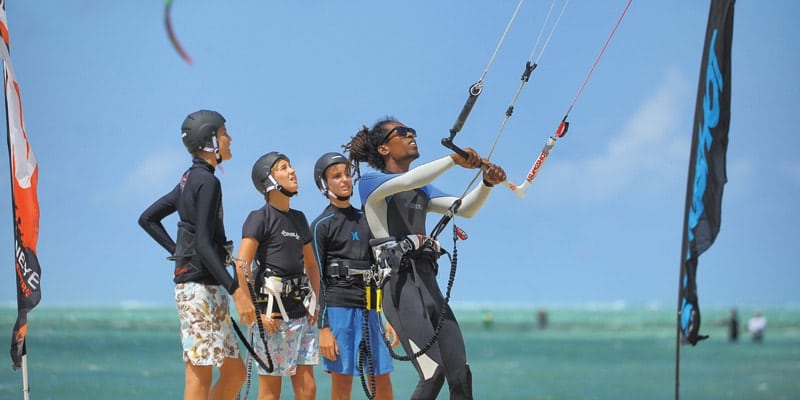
<point x="363" y="147"/>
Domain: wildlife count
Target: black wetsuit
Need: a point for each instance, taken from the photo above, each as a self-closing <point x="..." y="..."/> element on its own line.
<point x="198" y="200"/>
<point x="340" y="235"/>
<point x="281" y="237"/>
<point x="397" y="205"/>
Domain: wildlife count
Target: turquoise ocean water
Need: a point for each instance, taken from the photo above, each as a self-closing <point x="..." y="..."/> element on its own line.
<point x="583" y="353"/>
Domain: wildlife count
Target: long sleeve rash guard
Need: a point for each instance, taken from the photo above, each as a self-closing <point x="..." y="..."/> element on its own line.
<point x="377" y="188"/>
<point x="198" y="201"/>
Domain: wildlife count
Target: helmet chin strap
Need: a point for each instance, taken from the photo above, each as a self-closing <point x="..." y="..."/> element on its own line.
<point x="276" y="186"/>
<point x="337" y="197"/>
<point x="214" y="149"/>
<point x="327" y="192"/>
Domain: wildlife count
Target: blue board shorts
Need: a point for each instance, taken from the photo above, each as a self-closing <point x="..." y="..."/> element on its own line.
<point x="346" y="324"/>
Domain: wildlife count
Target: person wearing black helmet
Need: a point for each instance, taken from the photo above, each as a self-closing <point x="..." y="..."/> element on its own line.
<point x="201" y="252"/>
<point x="349" y="326"/>
<point x="396" y="201"/>
<point x="276" y="256"/>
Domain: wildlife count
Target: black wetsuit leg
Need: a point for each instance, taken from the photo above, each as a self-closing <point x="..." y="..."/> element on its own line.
<point x="420" y="302"/>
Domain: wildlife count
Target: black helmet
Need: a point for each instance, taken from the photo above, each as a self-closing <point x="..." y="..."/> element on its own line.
<point x="199" y="131"/>
<point x="262" y="174"/>
<point x="322" y="165"/>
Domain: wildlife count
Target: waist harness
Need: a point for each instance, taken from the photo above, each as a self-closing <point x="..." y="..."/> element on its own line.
<point x="273" y="289"/>
<point x="346" y="269"/>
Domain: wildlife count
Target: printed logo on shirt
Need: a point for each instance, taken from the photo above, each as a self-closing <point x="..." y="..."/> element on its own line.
<point x="354" y="235"/>
<point x="414" y="206"/>
<point x="184" y="178"/>
<point x="291" y="234"/>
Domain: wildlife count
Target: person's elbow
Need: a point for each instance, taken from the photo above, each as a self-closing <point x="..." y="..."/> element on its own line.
<point x="468" y="214"/>
<point x="144" y="221"/>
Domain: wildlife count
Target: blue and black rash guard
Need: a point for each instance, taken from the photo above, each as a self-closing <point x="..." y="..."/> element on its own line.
<point x="281" y="237"/>
<point x="407" y="215"/>
<point x="198" y="201"/>
<point x="340" y="234"/>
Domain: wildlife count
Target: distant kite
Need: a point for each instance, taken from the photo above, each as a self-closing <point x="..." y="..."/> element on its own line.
<point x="171" y="33"/>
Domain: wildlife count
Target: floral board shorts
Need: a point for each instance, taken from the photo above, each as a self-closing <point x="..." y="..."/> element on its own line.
<point x="206" y="332"/>
<point x="295" y="343"/>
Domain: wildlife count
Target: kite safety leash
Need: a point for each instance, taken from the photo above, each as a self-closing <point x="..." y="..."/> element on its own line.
<point x="268" y="365"/>
<point x="563" y="126"/>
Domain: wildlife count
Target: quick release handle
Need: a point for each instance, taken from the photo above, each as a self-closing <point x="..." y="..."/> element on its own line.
<point x="446" y="217"/>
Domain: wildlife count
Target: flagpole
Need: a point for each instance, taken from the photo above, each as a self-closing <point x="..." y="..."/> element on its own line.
<point x="678" y="322"/>
<point x="26" y="389"/>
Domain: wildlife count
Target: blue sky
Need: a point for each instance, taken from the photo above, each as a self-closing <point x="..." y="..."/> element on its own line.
<point x="104" y="94"/>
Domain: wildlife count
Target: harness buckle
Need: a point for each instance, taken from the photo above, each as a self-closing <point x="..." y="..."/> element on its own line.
<point x="344" y="269"/>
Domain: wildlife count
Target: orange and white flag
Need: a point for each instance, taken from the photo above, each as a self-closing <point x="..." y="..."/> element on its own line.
<point x="24" y="179"/>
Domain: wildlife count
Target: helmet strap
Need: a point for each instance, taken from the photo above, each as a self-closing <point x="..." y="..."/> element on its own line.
<point x="214" y="149"/>
<point x="276" y="186"/>
<point x="327" y="192"/>
<point x="335" y="196"/>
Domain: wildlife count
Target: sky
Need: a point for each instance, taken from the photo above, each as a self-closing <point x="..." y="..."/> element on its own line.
<point x="104" y="94"/>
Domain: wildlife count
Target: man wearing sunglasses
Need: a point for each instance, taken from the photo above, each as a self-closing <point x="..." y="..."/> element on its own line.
<point x="396" y="202"/>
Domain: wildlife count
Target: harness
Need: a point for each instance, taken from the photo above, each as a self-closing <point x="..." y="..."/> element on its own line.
<point x="273" y="289"/>
<point x="394" y="256"/>
<point x="338" y="268"/>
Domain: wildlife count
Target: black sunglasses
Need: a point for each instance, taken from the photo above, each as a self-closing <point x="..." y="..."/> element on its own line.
<point x="402" y="131"/>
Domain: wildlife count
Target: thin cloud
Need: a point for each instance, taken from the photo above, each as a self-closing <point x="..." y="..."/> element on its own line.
<point x="154" y="174"/>
<point x="651" y="147"/>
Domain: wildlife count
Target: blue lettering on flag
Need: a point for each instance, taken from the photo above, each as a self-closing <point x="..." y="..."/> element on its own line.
<point x="711" y="113"/>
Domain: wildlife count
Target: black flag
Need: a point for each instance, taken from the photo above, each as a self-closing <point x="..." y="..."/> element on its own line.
<point x="707" y="175"/>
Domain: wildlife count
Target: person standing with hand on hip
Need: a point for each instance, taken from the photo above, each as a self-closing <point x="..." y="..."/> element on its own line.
<point x="201" y="252"/>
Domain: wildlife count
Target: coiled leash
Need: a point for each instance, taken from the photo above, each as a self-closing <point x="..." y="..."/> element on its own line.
<point x="269" y="366"/>
<point x="365" y="346"/>
<point x="458" y="233"/>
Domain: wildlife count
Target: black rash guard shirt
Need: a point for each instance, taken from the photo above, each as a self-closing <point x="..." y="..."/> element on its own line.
<point x="340" y="234"/>
<point x="198" y="201"/>
<point x="281" y="237"/>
